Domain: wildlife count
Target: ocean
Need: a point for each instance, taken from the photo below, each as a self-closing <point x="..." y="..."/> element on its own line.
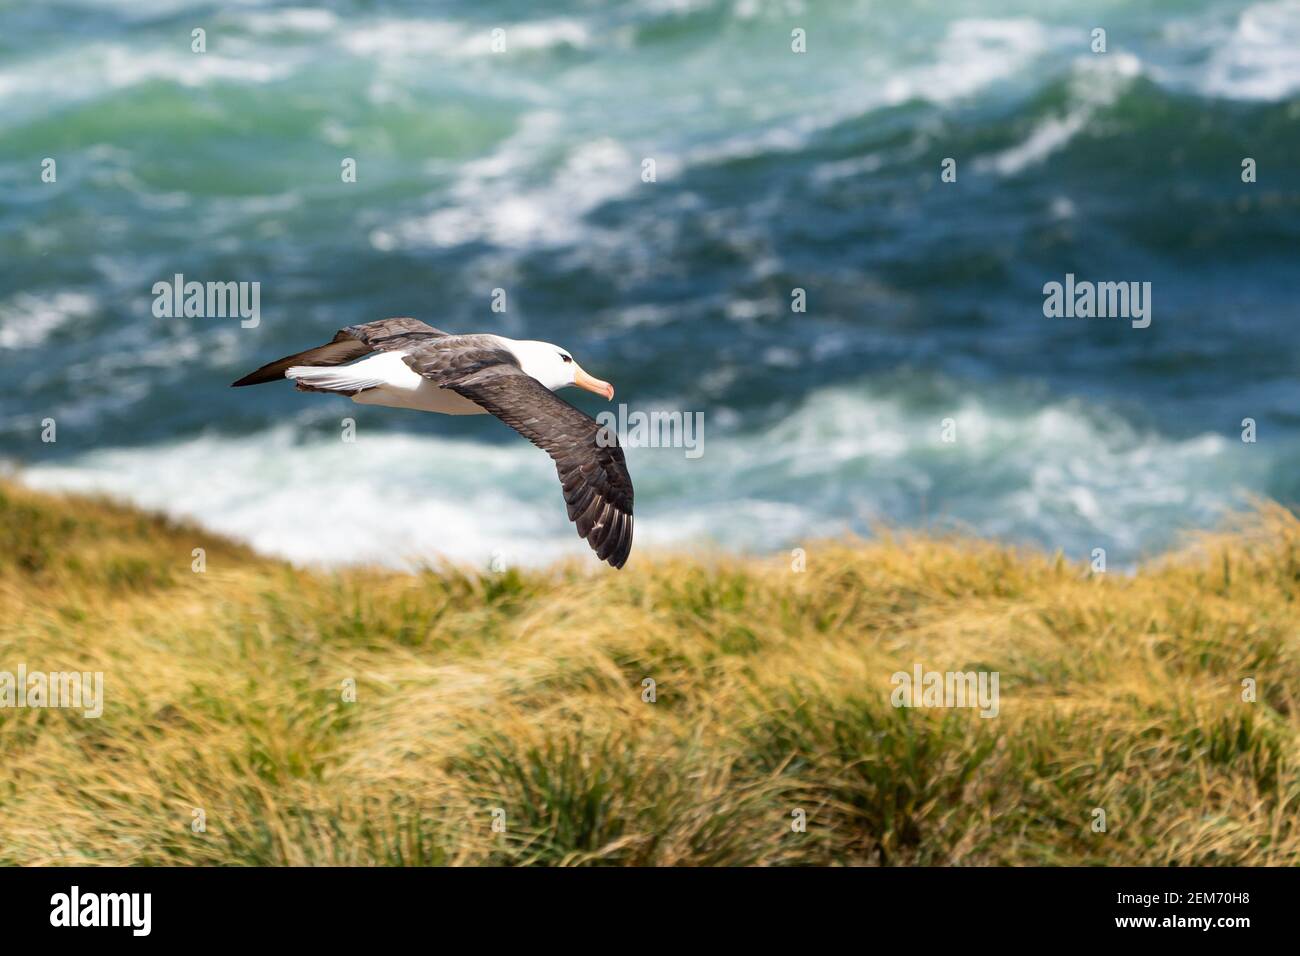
<point x="921" y="386"/>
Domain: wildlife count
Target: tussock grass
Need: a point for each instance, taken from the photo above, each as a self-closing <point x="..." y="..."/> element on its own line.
<point x="522" y="692"/>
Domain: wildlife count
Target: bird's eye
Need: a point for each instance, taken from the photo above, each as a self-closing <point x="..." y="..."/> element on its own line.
<point x="567" y="358"/>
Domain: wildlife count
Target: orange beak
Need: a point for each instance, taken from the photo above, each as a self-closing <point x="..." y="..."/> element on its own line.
<point x="583" y="380"/>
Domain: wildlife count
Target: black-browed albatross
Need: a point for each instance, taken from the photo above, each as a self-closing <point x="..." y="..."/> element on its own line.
<point x="408" y="364"/>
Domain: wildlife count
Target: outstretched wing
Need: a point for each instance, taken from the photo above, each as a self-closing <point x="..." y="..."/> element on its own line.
<point x="590" y="463"/>
<point x="349" y="344"/>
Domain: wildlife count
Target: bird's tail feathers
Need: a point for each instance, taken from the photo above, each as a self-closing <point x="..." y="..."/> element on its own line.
<point x="346" y="379"/>
<point x="344" y="348"/>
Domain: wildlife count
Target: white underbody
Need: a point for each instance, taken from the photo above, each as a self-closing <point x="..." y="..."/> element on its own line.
<point x="385" y="379"/>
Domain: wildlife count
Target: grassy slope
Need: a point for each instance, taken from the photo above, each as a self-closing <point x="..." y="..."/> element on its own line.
<point x="523" y="691"/>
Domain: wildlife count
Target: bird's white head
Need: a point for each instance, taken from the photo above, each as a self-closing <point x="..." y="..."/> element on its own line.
<point x="555" y="368"/>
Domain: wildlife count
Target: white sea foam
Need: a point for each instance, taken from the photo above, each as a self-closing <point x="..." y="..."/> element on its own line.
<point x="973" y="55"/>
<point x="446" y="38"/>
<point x="1260" y="58"/>
<point x="1060" y="474"/>
<point x="292" y="20"/>
<point x="488" y="203"/>
<point x="27" y="320"/>
<point x="390" y="499"/>
<point x="88" y="72"/>
<point x="1056" y="474"/>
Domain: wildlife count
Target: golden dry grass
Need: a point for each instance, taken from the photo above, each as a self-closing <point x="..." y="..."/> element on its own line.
<point x="522" y="691"/>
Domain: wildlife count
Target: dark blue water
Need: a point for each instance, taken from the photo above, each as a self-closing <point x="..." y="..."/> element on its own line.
<point x="522" y="170"/>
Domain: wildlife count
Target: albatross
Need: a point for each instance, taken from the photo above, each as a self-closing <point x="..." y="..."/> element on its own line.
<point x="404" y="363"/>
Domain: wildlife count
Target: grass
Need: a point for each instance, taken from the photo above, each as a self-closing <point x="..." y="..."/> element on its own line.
<point x="520" y="694"/>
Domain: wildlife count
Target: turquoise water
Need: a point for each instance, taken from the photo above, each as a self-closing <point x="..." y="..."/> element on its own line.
<point x="522" y="170"/>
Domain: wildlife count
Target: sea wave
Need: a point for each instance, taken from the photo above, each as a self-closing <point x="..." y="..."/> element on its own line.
<point x="1257" y="57"/>
<point x="1094" y="85"/>
<point x="848" y="459"/>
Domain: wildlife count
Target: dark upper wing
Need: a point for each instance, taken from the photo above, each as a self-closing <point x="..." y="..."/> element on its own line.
<point x="454" y="357"/>
<point x="389" y="334"/>
<point x="593" y="472"/>
<point x="348" y="344"/>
